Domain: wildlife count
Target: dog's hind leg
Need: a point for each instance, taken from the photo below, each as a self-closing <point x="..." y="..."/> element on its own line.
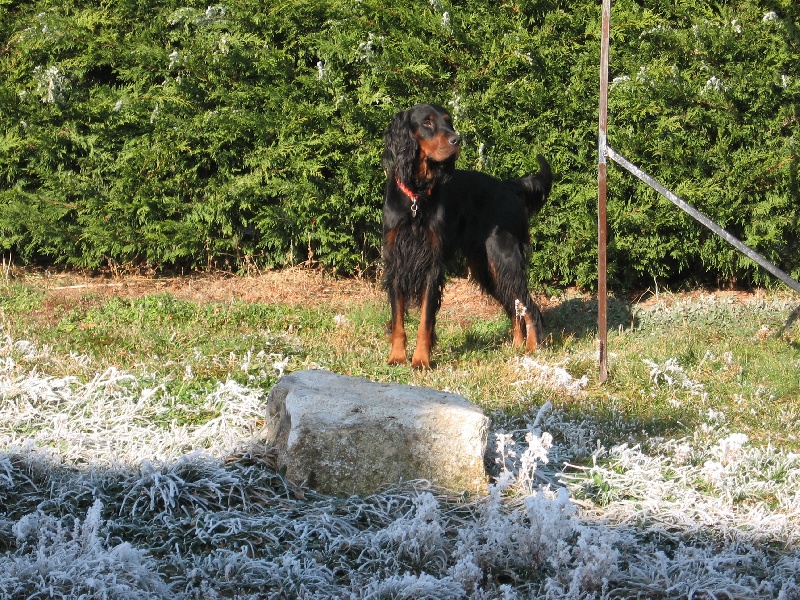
<point x="518" y="330"/>
<point x="527" y="328"/>
<point x="506" y="262"/>
<point x="534" y="326"/>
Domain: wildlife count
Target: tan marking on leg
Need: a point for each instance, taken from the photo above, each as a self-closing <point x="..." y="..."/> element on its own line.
<point x="398" y="339"/>
<point x="517" y="337"/>
<point x="533" y="329"/>
<point x="517" y="334"/>
<point x="422" y="353"/>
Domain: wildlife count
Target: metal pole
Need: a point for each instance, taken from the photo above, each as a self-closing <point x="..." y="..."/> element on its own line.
<point x="700" y="217"/>
<point x="602" y="234"/>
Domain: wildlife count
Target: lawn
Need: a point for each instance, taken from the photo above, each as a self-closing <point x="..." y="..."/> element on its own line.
<point x="130" y="465"/>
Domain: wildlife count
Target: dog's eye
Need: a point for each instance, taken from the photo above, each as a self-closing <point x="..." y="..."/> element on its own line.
<point x="427" y="123"/>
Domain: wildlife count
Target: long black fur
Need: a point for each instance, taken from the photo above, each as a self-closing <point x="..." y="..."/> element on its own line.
<point x="455" y="212"/>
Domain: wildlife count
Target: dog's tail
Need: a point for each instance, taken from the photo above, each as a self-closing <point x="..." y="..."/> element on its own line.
<point x="534" y="189"/>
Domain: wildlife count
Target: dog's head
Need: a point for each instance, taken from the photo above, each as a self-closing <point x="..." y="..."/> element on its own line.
<point x="421" y="145"/>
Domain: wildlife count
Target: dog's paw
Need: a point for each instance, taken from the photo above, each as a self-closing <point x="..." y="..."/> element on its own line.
<point x="397" y="359"/>
<point x="421" y="360"/>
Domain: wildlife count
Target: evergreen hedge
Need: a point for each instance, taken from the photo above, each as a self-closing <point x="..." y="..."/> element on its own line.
<point x="248" y="133"/>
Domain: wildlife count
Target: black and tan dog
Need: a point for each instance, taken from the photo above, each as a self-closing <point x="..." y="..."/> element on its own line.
<point x="433" y="212"/>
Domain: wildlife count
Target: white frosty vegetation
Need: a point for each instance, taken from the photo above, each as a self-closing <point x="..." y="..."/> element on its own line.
<point x="101" y="496"/>
<point x="539" y="374"/>
<point x="51" y="85"/>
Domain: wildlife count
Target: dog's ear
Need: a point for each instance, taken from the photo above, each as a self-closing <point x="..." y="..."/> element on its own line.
<point x="400" y="148"/>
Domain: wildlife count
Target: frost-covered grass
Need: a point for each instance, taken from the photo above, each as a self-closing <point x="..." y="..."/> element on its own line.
<point x="131" y="465"/>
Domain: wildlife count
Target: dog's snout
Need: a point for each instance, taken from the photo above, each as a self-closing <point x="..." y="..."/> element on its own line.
<point x="455" y="139"/>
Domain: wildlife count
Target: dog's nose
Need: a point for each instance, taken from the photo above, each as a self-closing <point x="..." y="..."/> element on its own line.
<point x="455" y="139"/>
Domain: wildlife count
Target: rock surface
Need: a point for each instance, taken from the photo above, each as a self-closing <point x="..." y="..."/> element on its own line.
<point x="346" y="435"/>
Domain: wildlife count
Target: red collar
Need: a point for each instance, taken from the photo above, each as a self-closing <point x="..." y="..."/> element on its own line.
<point x="410" y="195"/>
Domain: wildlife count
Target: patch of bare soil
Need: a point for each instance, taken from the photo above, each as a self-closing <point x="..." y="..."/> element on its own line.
<point x="462" y="299"/>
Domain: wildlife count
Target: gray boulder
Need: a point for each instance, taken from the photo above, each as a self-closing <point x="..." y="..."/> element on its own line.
<point x="346" y="435"/>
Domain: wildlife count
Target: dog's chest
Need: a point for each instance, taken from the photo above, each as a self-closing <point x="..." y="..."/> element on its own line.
<point x="416" y="240"/>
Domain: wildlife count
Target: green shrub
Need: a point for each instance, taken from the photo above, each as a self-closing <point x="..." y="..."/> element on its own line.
<point x="249" y="133"/>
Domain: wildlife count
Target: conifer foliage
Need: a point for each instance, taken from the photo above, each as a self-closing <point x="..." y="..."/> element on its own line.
<point x="177" y="135"/>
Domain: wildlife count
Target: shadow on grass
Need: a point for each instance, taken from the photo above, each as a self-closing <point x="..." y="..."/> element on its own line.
<point x="484" y="336"/>
<point x="577" y="318"/>
<point x="572" y="319"/>
<point x="786" y="330"/>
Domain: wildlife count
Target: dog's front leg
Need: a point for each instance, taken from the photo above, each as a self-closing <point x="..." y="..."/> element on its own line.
<point x="398" y="331"/>
<point x="426" y="332"/>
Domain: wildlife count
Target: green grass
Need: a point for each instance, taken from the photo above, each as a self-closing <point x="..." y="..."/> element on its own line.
<point x="674" y="365"/>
